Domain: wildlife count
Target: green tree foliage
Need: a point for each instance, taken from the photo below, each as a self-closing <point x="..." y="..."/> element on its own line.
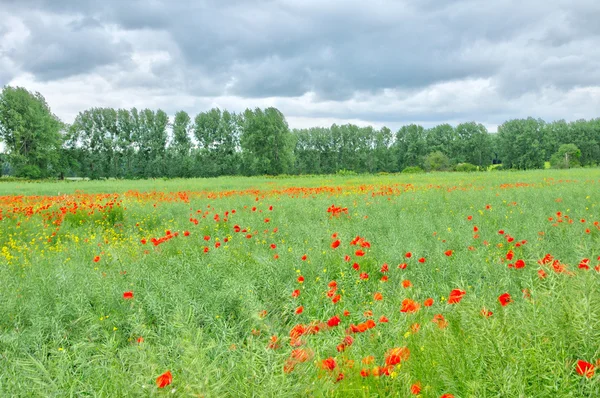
<point x="218" y="138"/>
<point x="109" y="143"/>
<point x="410" y="146"/>
<point x="30" y="132"/>
<point x="266" y="141"/>
<point x="586" y="136"/>
<point x="442" y="138"/>
<point x="474" y="144"/>
<point x="436" y="161"/>
<point x="567" y="156"/>
<point x="180" y="162"/>
<point x="521" y="143"/>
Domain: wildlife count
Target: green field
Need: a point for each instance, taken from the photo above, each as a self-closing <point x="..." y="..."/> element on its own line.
<point x="216" y="308"/>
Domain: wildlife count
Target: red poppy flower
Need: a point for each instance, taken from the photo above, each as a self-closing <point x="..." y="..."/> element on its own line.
<point x="128" y="295"/>
<point x="377" y="296"/>
<point x="359" y="253"/>
<point x="455" y="296"/>
<point x="415" y="389"/>
<point x="485" y="313"/>
<point x="299" y="310"/>
<point x="384" y="278"/>
<point x="333" y="321"/>
<point x="186" y="233"/>
<point x="440" y="320"/>
<point x="364" y="372"/>
<point x="395" y="355"/>
<point x="164" y="379"/>
<point x="408" y="255"/>
<point x="346" y="258"/>
<point x="428" y="302"/>
<point x="384" y="268"/>
<point x="510" y="255"/>
<point x="584" y="264"/>
<point x="469" y="218"/>
<point x="273" y="246"/>
<point x="519" y="264"/>
<point x="356" y="266"/>
<point x="335" y="244"/>
<point x="447" y="396"/>
<point x="346" y="313"/>
<point x="336" y="298"/>
<point x="144" y="241"/>
<point x="406" y="284"/>
<point x="364" y="276"/>
<point x="409" y="306"/>
<point x="96" y="259"/>
<point x="296" y="293"/>
<point x="585" y="369"/>
<point x="304" y="257"/>
<point x="542" y="274"/>
<point x="422" y="260"/>
<point x="402" y="266"/>
<point x="301" y="354"/>
<point x="504" y="299"/>
<point x="274" y="343"/>
<point x="448" y="253"/>
<point x="300" y="279"/>
<point x="140" y="340"/>
<point x="383" y="319"/>
<point x="328" y="363"/>
<point x="348" y="341"/>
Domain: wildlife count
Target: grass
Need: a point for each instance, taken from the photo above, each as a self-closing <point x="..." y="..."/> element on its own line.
<point x="209" y="317"/>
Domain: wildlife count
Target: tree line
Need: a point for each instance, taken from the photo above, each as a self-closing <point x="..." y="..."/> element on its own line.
<point x="132" y="143"/>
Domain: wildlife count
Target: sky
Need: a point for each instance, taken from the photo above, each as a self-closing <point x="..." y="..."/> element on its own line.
<point x="377" y="62"/>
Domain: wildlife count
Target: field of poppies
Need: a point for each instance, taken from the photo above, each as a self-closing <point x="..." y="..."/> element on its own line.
<point x="439" y="285"/>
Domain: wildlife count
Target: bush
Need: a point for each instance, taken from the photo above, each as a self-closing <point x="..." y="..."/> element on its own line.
<point x="465" y="167"/>
<point x="567" y="157"/>
<point x="345" y="172"/>
<point x="412" y="170"/>
<point x="436" y="161"/>
<point x="31" y="172"/>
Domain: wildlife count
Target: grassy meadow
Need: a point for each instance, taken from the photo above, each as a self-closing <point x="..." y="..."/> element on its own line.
<point x="472" y="285"/>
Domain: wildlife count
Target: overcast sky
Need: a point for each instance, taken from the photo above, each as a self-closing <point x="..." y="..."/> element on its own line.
<point x="378" y="62"/>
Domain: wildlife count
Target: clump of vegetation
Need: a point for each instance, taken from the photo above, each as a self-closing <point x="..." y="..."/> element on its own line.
<point x="437" y="161"/>
<point x="465" y="167"/>
<point x="566" y="157"/>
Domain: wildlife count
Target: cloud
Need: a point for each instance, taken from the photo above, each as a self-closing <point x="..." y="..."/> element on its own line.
<point x="381" y="62"/>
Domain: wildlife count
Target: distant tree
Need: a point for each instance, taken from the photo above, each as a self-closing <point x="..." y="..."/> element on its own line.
<point x="473" y="145"/>
<point x="179" y="152"/>
<point x="441" y="138"/>
<point x="266" y="141"/>
<point x="30" y="132"/>
<point x="218" y="139"/>
<point x="554" y="135"/>
<point x="410" y="146"/>
<point x="382" y="151"/>
<point x="567" y="156"/>
<point x="521" y="143"/>
<point x="436" y="161"/>
<point x="586" y="136"/>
